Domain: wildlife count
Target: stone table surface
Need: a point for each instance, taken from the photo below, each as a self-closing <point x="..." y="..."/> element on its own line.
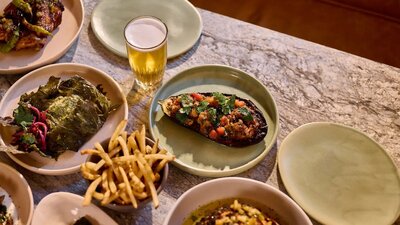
<point x="309" y="82"/>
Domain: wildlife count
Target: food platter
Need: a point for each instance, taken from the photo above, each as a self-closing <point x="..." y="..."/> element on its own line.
<point x="61" y="208"/>
<point x="19" y="191"/>
<point x="69" y="161"/>
<point x="63" y="37"/>
<point x="339" y="175"/>
<point x="278" y="205"/>
<point x="196" y="154"/>
<point x="181" y="17"/>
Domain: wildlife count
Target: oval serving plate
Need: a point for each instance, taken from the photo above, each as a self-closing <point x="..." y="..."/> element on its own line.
<point x="181" y="17"/>
<point x="62" y="208"/>
<point x="339" y="175"/>
<point x="197" y="154"/>
<point x="19" y="191"/>
<point x="69" y="161"/>
<point x="16" y="62"/>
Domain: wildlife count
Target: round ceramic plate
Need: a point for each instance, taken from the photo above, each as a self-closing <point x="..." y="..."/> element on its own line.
<point x="62" y="208"/>
<point x="197" y="154"/>
<point x="69" y="161"/>
<point x="339" y="175"/>
<point x="19" y="191"/>
<point x="63" y="37"/>
<point x="181" y="17"/>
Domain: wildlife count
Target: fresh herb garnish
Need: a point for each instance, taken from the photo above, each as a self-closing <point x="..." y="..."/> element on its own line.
<point x="185" y="110"/>
<point x="228" y="105"/>
<point x="23" y="116"/>
<point x="202" y="106"/>
<point x="245" y="114"/>
<point x="28" y="138"/>
<point x="181" y="117"/>
<point x="212" y="115"/>
<point x="220" y="97"/>
<point x="186" y="101"/>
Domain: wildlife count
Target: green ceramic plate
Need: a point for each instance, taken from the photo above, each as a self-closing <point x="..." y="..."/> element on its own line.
<point x="182" y="19"/>
<point x="195" y="153"/>
<point x="339" y="175"/>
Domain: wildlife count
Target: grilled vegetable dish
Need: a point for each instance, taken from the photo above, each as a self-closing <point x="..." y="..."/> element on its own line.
<point x="60" y="116"/>
<point x="28" y="23"/>
<point x="223" y="118"/>
<point x="234" y="213"/>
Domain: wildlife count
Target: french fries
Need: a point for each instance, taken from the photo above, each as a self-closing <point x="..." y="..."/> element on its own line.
<point x="128" y="170"/>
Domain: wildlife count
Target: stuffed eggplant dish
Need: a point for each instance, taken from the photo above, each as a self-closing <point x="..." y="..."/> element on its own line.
<point x="224" y="118"/>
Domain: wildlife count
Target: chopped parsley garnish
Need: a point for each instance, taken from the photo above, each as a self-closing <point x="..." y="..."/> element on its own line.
<point x="220" y="97"/>
<point x="183" y="112"/>
<point x="227" y="103"/>
<point x="23" y="116"/>
<point x="28" y="138"/>
<point x="246" y="114"/>
<point x="186" y="101"/>
<point x="202" y="106"/>
<point x="182" y="117"/>
<point x="213" y="115"/>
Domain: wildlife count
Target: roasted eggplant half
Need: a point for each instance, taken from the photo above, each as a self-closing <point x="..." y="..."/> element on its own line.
<point x="224" y="118"/>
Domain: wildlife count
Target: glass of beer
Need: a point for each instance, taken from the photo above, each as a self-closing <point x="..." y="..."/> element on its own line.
<point x="146" y="43"/>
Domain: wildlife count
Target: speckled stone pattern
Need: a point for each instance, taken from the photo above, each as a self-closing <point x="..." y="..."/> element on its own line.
<point x="309" y="82"/>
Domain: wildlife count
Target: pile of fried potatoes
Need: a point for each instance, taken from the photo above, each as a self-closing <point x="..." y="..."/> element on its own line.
<point x="127" y="172"/>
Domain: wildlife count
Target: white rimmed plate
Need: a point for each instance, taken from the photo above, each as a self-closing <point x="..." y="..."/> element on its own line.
<point x="63" y="37"/>
<point x="339" y="175"/>
<point x="19" y="191"/>
<point x="62" y="208"/>
<point x="181" y="17"/>
<point x="69" y="161"/>
<point x="197" y="154"/>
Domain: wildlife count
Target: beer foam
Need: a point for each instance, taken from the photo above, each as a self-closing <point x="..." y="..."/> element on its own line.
<point x="145" y="32"/>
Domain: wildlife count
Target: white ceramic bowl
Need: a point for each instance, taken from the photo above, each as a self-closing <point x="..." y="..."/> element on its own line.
<point x="19" y="191"/>
<point x="287" y="211"/>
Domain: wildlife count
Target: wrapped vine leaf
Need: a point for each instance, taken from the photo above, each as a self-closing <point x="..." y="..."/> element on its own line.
<point x="59" y="116"/>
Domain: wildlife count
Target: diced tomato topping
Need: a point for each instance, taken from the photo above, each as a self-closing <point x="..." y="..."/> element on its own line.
<point x="224" y="120"/>
<point x="221" y="131"/>
<point x="197" y="96"/>
<point x="239" y="103"/>
<point x="213" y="134"/>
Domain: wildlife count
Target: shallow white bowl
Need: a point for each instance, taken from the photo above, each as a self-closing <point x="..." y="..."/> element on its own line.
<point x="287" y="211"/>
<point x="19" y="191"/>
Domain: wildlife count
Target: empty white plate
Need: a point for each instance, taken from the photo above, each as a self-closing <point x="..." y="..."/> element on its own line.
<point x="61" y="208"/>
<point x="339" y="175"/>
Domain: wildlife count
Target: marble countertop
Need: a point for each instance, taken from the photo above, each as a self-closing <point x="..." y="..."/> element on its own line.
<point x="309" y="82"/>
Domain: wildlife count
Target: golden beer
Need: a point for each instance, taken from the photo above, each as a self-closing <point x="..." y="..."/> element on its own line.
<point x="146" y="43"/>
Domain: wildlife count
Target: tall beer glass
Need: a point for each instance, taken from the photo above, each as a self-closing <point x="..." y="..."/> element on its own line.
<point x="146" y="43"/>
